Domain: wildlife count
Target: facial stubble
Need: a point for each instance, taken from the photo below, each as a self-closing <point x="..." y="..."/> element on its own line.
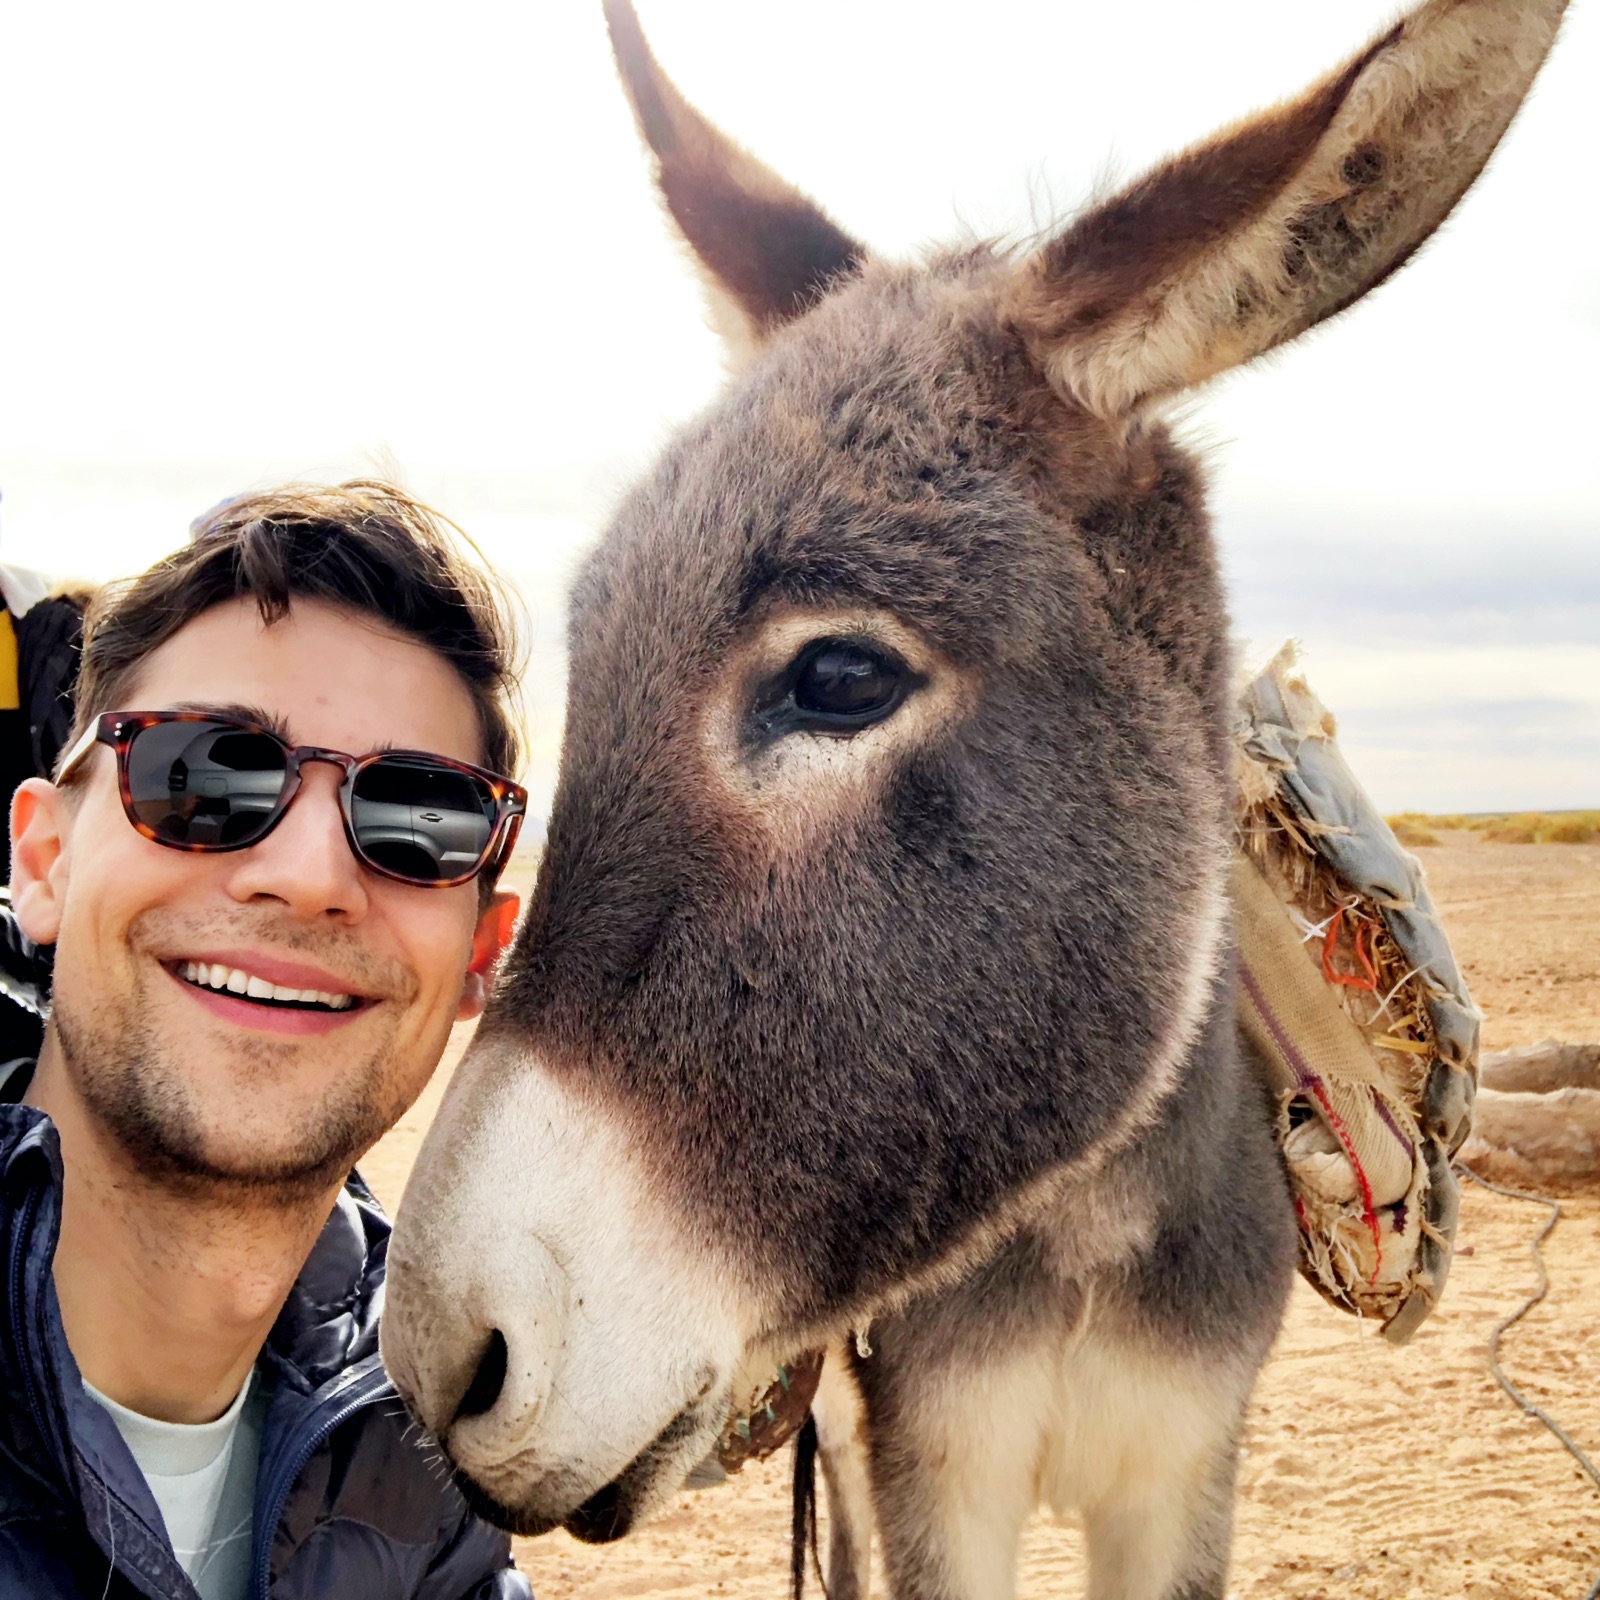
<point x="135" y="1086"/>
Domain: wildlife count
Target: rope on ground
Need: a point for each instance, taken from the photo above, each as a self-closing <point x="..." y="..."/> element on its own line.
<point x="1573" y="1447"/>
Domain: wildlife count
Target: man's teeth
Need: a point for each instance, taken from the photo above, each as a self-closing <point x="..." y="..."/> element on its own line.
<point x="213" y="975"/>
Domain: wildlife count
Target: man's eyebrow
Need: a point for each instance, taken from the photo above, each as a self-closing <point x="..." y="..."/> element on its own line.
<point x="238" y="713"/>
<point x="270" y="720"/>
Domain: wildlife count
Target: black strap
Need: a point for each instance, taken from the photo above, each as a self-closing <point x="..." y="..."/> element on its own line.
<point x="49" y="636"/>
<point x="15" y="1076"/>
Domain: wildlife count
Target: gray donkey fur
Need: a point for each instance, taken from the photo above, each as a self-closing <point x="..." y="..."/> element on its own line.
<point x="877" y="975"/>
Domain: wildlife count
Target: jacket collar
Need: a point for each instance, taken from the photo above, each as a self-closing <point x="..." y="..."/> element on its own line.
<point x="329" y="1320"/>
<point x="25" y="967"/>
<point x="322" y="1354"/>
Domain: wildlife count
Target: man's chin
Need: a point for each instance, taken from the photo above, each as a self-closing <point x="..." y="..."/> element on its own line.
<point x="240" y="1119"/>
<point x="256" y="1150"/>
<point x="222" y="1166"/>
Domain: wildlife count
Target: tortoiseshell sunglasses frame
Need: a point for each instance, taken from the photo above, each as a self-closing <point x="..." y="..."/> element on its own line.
<point x="118" y="730"/>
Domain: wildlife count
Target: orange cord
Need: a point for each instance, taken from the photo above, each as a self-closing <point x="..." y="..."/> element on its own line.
<point x="1330" y="942"/>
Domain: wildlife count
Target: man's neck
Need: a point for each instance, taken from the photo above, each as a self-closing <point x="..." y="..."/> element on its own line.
<point x="166" y="1297"/>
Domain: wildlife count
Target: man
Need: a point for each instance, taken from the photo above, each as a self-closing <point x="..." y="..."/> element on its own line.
<point x="266" y="866"/>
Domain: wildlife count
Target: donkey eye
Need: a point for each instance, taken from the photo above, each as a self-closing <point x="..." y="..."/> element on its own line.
<point x="833" y="686"/>
<point x="846" y="680"/>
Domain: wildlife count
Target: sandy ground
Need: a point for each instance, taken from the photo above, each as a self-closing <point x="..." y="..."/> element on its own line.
<point x="1369" y="1472"/>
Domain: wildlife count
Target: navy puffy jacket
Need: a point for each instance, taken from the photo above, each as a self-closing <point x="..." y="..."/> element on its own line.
<point x="348" y="1505"/>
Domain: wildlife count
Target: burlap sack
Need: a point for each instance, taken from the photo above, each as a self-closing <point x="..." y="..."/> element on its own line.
<point x="1354" y="1008"/>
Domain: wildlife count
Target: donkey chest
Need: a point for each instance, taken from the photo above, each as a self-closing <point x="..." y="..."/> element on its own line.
<point x="1121" y="1418"/>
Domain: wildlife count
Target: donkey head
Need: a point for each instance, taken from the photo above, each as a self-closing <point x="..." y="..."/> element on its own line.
<point x="883" y="888"/>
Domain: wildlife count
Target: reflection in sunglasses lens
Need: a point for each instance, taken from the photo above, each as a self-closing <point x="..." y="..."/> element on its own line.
<point x="424" y="822"/>
<point x="204" y="783"/>
<point x="215" y="785"/>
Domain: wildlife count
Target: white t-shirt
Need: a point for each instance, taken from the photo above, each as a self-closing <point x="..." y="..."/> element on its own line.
<point x="203" y="1478"/>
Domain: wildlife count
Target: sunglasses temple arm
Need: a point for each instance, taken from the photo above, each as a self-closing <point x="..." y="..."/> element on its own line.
<point x="508" y="843"/>
<point x="75" y="757"/>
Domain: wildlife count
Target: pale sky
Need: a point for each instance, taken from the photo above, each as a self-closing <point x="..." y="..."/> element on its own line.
<point x="249" y="243"/>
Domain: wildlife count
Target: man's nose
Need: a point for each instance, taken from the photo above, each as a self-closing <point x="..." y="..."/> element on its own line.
<point x="306" y="861"/>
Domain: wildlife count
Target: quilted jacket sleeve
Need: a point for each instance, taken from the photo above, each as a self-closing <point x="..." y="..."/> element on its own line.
<point x="475" y="1565"/>
<point x="507" y="1585"/>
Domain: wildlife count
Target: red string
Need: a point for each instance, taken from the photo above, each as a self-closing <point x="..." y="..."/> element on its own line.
<point x="1330" y="942"/>
<point x="1369" y="1212"/>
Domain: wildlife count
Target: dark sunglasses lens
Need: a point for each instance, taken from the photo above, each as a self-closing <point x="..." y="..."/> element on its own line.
<point x="426" y="823"/>
<point x="204" y="784"/>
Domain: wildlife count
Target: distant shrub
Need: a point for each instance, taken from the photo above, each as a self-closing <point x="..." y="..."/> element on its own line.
<point x="1579" y="828"/>
<point x="1510" y="832"/>
<point x="1413" y="828"/>
<point x="1528" y="822"/>
<point x="1413" y="834"/>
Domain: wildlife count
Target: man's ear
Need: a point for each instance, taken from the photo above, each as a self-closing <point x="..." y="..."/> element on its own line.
<point x="490" y="940"/>
<point x="38" y="858"/>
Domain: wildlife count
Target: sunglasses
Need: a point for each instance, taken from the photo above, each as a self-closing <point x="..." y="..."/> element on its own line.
<point x="198" y="782"/>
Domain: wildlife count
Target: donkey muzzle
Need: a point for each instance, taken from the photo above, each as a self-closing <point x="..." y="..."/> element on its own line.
<point x="547" y="1317"/>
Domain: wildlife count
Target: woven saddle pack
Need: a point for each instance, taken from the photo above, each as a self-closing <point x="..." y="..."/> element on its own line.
<point x="1353" y="1006"/>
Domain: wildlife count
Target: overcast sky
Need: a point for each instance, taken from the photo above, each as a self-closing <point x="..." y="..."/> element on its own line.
<point x="247" y="243"/>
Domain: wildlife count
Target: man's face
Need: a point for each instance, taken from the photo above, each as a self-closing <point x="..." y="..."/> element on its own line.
<point x="220" y="1086"/>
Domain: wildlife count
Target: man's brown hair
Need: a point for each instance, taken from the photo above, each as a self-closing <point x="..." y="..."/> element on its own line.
<point x="365" y="545"/>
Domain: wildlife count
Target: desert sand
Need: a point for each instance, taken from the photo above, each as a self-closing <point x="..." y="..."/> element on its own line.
<point x="1369" y="1472"/>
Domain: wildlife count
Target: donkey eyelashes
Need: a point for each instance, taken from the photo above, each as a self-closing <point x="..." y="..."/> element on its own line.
<point x="832" y="686"/>
<point x="815" y="708"/>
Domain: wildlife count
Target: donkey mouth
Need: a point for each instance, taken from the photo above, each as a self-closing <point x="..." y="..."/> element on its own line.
<point x="603" y="1517"/>
<point x="613" y="1510"/>
<point x="598" y="1520"/>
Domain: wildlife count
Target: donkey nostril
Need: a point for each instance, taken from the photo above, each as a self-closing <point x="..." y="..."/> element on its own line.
<point x="487" y="1381"/>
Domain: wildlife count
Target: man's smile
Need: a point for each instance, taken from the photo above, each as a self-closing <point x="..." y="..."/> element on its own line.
<point x="267" y="992"/>
<point x="235" y="980"/>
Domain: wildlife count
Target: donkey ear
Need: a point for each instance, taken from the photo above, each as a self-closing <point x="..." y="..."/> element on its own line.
<point x="1284" y="219"/>
<point x="766" y="252"/>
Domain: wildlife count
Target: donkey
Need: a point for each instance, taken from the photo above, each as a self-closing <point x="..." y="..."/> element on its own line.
<point x="876" y="989"/>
